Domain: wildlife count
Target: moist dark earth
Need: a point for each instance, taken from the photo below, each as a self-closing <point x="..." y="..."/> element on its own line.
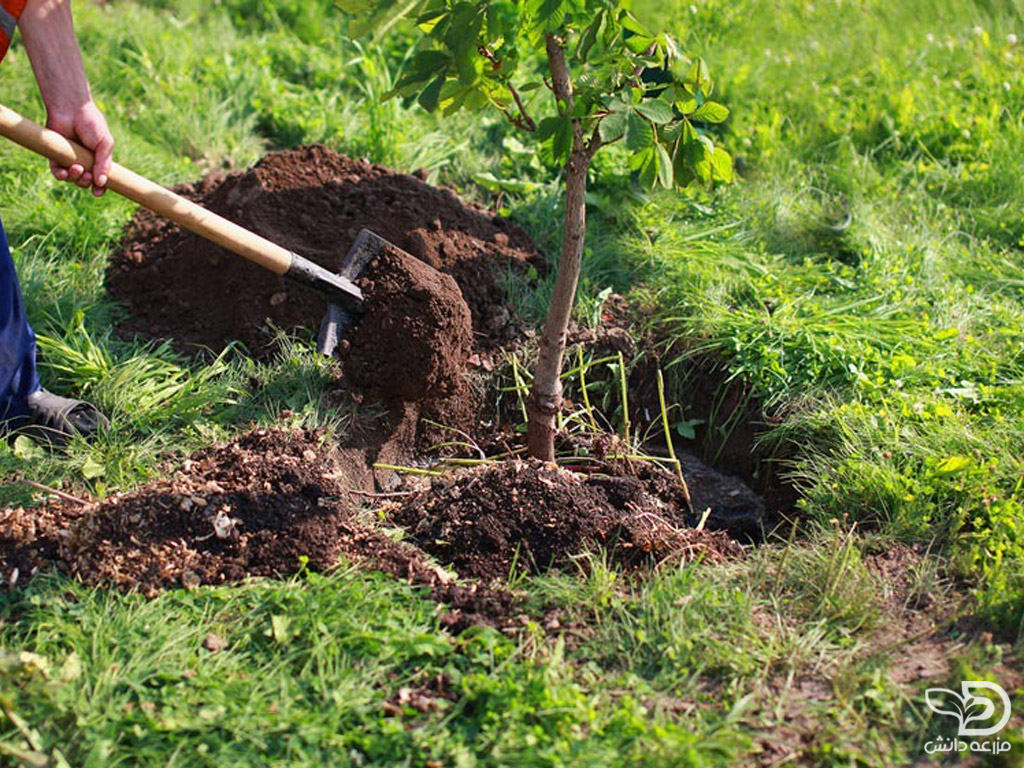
<point x="176" y="285"/>
<point x="517" y="516"/>
<point x="273" y="502"/>
<point x="415" y="336"/>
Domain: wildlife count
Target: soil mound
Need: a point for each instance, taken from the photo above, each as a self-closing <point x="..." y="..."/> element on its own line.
<point x="313" y="201"/>
<point x="265" y="505"/>
<point x="273" y="502"/>
<point x="494" y="521"/>
<point x="415" y="337"/>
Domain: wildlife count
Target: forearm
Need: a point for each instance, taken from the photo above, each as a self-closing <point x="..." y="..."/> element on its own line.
<point x="49" y="38"/>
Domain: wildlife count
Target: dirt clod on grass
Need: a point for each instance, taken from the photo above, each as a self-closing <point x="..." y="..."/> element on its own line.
<point x="313" y="201"/>
<point x="496" y="521"/>
<point x="414" y="338"/>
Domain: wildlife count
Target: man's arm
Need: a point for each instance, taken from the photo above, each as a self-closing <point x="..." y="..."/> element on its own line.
<point x="49" y="38"/>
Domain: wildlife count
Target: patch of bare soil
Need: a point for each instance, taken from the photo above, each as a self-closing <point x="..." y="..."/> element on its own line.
<point x="493" y="522"/>
<point x="272" y="502"/>
<point x="313" y="201"/>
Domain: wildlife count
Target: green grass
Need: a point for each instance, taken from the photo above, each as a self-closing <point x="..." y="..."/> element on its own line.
<point x="895" y="344"/>
<point x="890" y="351"/>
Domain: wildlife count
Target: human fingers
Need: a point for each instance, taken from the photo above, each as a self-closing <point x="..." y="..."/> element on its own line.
<point x="104" y="153"/>
<point x="60" y="173"/>
<point x="94" y="133"/>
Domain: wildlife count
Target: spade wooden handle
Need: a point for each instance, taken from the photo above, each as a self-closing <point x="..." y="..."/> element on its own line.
<point x="149" y="194"/>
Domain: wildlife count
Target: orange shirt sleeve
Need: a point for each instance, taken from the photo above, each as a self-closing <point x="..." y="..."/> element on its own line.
<point x="10" y="10"/>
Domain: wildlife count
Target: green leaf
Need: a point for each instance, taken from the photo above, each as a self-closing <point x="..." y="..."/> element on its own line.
<point x="670" y="134"/>
<point x="427" y="63"/>
<point x="462" y="36"/>
<point x="279" y="628"/>
<point x="492" y="183"/>
<point x="721" y="166"/>
<point x="702" y="166"/>
<point x="547" y="127"/>
<point x="431" y="95"/>
<point x="476" y="99"/>
<point x="686" y="428"/>
<point x="92" y="469"/>
<point x="687" y="106"/>
<point x="502" y="19"/>
<point x="631" y="24"/>
<point x="711" y="112"/>
<point x="656" y="110"/>
<point x="590" y="35"/>
<point x="645" y="163"/>
<point x="638" y="43"/>
<point x="953" y="464"/>
<point x="692" y="158"/>
<point x="639" y="134"/>
<point x="26" y="448"/>
<point x="613" y="126"/>
<point x="428" y="20"/>
<point x="665" y="171"/>
<point x="698" y="78"/>
<point x="562" y="140"/>
<point x="470" y="65"/>
<point x="548" y="15"/>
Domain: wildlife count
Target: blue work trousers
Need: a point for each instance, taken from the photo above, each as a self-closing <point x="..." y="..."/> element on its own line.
<point x="18" y="376"/>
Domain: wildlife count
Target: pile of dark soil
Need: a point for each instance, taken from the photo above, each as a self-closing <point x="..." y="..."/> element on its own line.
<point x="273" y="502"/>
<point x="529" y="516"/>
<point x="263" y="505"/>
<point x="414" y="338"/>
<point x="313" y="201"/>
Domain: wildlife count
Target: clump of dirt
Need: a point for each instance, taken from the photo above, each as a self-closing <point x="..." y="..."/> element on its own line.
<point x="493" y="521"/>
<point x="718" y="501"/>
<point x="266" y="504"/>
<point x="313" y="201"/>
<point x="415" y="336"/>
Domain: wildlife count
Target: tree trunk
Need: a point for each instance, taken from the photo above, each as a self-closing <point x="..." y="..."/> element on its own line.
<point x="545" y="399"/>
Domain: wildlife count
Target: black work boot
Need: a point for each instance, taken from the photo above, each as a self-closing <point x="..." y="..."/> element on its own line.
<point x="53" y="420"/>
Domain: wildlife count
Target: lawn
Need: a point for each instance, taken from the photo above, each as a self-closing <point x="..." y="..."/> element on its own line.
<point x="848" y="316"/>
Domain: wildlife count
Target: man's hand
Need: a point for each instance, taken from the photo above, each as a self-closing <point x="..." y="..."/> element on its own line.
<point x="88" y="127"/>
<point x="49" y="36"/>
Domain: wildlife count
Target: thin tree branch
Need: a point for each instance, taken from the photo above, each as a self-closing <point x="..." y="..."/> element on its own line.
<point x="561" y="84"/>
<point x="529" y="124"/>
<point x="524" y="120"/>
<point x="54" y="492"/>
<point x="638" y="70"/>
